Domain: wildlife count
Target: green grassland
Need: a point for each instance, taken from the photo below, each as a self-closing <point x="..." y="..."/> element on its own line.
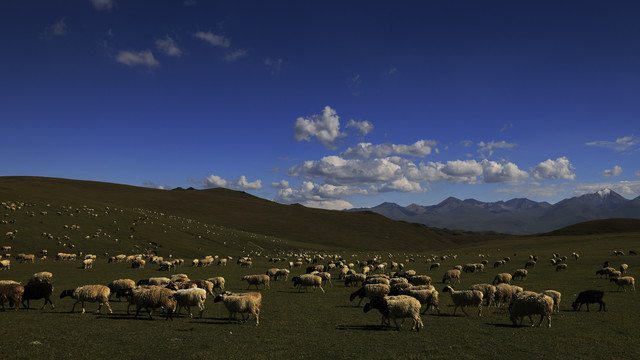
<point x="293" y="324"/>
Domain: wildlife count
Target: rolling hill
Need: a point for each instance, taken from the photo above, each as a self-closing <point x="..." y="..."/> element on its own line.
<point x="113" y="217"/>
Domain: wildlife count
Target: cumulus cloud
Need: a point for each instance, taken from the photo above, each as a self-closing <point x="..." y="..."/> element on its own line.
<point x="168" y="46"/>
<point x="101" y="5"/>
<point x="235" y="55"/>
<point x="487" y="149"/>
<point x="213" y="39"/>
<point x="131" y="58"/>
<point x="273" y="65"/>
<point x="617" y="170"/>
<point x="559" y="169"/>
<point x="420" y="148"/>
<point x="619" y="145"/>
<point x="214" y="181"/>
<point x="364" y="127"/>
<point x="319" y="195"/>
<point x="495" y="172"/>
<point x="58" y="29"/>
<point x="325" y="128"/>
<point x="282" y="184"/>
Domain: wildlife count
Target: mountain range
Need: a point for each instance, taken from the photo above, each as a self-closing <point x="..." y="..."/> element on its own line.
<point x="515" y="216"/>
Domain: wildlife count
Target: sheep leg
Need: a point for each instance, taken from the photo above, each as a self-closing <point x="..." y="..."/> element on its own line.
<point x="74" y="306"/>
<point x="322" y="290"/>
<point x="462" y="308"/>
<point x="480" y="310"/>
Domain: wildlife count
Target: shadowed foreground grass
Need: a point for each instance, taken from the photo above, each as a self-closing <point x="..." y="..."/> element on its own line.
<point x="314" y="325"/>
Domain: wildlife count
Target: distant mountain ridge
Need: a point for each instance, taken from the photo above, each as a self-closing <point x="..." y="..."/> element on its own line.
<point x="515" y="216"/>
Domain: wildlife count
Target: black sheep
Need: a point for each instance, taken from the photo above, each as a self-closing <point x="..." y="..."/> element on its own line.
<point x="36" y="291"/>
<point x="589" y="297"/>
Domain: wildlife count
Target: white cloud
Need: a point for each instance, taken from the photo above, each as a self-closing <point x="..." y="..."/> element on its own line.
<point x="213" y="39"/>
<point x="152" y="185"/>
<point x="319" y="195"/>
<point x="137" y="58"/>
<point x="559" y="169"/>
<point x="283" y="184"/>
<point x="339" y="171"/>
<point x="235" y="55"/>
<point x="621" y="144"/>
<point x="402" y="185"/>
<point x="103" y="4"/>
<point x="364" y="127"/>
<point x="420" y="148"/>
<point x="58" y="29"/>
<point x="213" y="181"/>
<point x="617" y="170"/>
<point x="624" y="188"/>
<point x="487" y="149"/>
<point x="168" y="46"/>
<point x="494" y="172"/>
<point x="324" y="127"/>
<point x="392" y="71"/>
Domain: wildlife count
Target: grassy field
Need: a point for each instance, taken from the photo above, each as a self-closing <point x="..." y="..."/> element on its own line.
<point x="110" y="219"/>
<point x="315" y="325"/>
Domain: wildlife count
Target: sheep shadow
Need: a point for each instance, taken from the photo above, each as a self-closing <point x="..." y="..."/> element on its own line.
<point x="365" y="327"/>
<point x="503" y="325"/>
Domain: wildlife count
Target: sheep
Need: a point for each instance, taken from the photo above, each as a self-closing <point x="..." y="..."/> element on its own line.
<point x="624" y="268"/>
<point x="450" y="275"/>
<point x="218" y="283"/>
<point x="530" y="263"/>
<point x="434" y="266"/>
<point x="120" y="284"/>
<point x="556" y="296"/>
<point x="589" y="297"/>
<point x="190" y="297"/>
<point x="152" y="298"/>
<point x="420" y="280"/>
<point x="398" y="280"/>
<point x="465" y="298"/>
<point x="355" y="279"/>
<point x="504" y="293"/>
<point x="41" y="277"/>
<point x="282" y="273"/>
<point x="272" y="272"/>
<point x="606" y="271"/>
<point x="87" y="264"/>
<point x="89" y="293"/>
<point x="12" y="292"/>
<point x="370" y="291"/>
<point x="256" y="280"/>
<point x="531" y="304"/>
<point x="326" y="277"/>
<point x="377" y="280"/>
<point x="397" y="307"/>
<point x="159" y="281"/>
<point x="425" y="297"/>
<point x="502" y="278"/>
<point x="306" y="280"/>
<point x="241" y="303"/>
<point x="488" y="292"/>
<point x="624" y="281"/>
<point x="202" y="284"/>
<point x="520" y="274"/>
<point x="5" y="264"/>
<point x="38" y="290"/>
<point x="561" y="267"/>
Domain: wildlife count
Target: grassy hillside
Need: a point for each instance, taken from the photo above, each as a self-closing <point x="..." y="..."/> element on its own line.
<point x="595" y="227"/>
<point x="196" y="219"/>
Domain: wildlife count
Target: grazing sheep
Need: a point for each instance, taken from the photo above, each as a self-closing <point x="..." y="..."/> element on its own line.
<point x="256" y="280"/>
<point x="218" y="283"/>
<point x="87" y="263"/>
<point x="502" y="278"/>
<point x="606" y="271"/>
<point x="89" y="293"/>
<point x="624" y="268"/>
<point x="434" y="266"/>
<point x="450" y="275"/>
<point x="272" y="272"/>
<point x="152" y="298"/>
<point x="282" y="273"/>
<point x="158" y="281"/>
<point x="488" y="292"/>
<point x="398" y="280"/>
<point x="326" y="277"/>
<point x="242" y="303"/>
<point x="420" y="280"/>
<point x="36" y="291"/>
<point x="625" y="281"/>
<point x="561" y="267"/>
<point x="504" y="293"/>
<point x="13" y="293"/>
<point x="190" y="297"/>
<point x="425" y="297"/>
<point x="370" y="291"/>
<point x="307" y="280"/>
<point x="5" y="264"/>
<point x="120" y="284"/>
<point x="530" y="263"/>
<point x="41" y="277"/>
<point x="397" y="307"/>
<point x="531" y="304"/>
<point x="520" y="274"/>
<point x="465" y="298"/>
<point x="138" y="263"/>
<point x="556" y="296"/>
<point x="589" y="297"/>
<point x="355" y="279"/>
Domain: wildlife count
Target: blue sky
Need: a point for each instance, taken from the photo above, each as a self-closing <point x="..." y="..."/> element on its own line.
<point x="330" y="104"/>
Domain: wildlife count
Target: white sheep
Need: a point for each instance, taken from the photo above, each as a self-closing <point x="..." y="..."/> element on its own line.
<point x="520" y="274"/>
<point x="625" y="281"/>
<point x="5" y="264"/>
<point x="119" y="285"/>
<point x="307" y="280"/>
<point x="397" y="307"/>
<point x="465" y="298"/>
<point x="488" y="292"/>
<point x="256" y="280"/>
<point x="282" y="273"/>
<point x="531" y="304"/>
<point x="218" y="283"/>
<point x="150" y="298"/>
<point x="41" y="277"/>
<point x="190" y="297"/>
<point x="11" y="291"/>
<point x="242" y="303"/>
<point x="502" y="278"/>
<point x="450" y="275"/>
<point x="370" y="291"/>
<point x="159" y="281"/>
<point x="89" y="293"/>
<point x="557" y="298"/>
<point x="87" y="263"/>
<point x="425" y="297"/>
